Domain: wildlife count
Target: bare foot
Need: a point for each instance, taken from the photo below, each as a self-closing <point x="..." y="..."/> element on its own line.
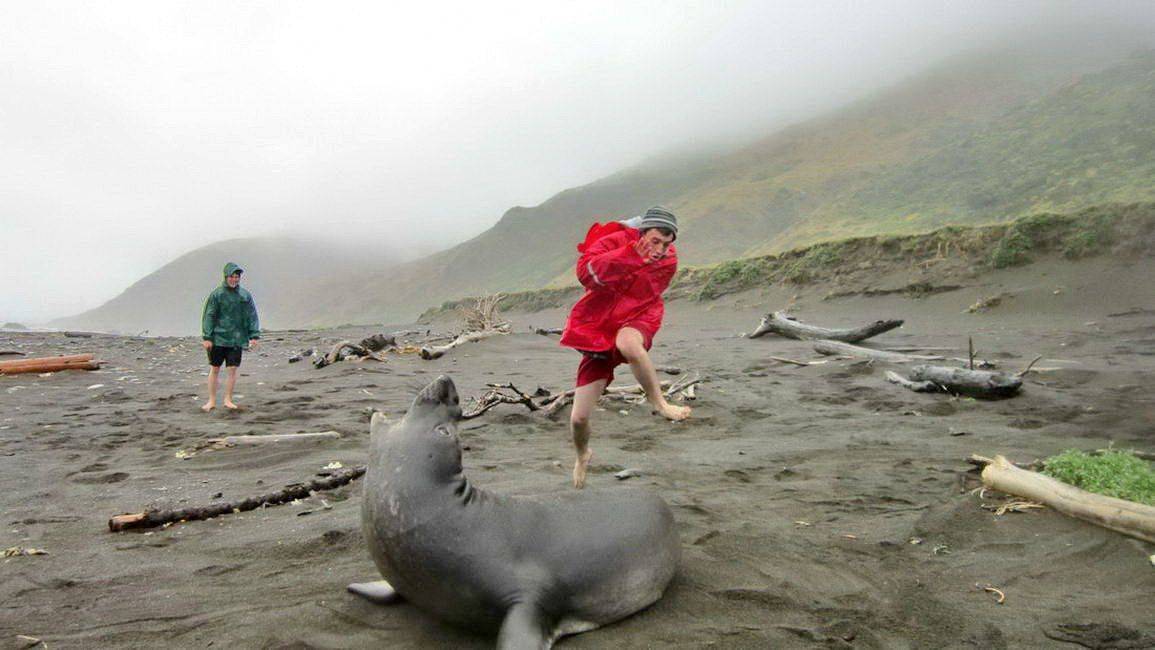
<point x="672" y="412"/>
<point x="230" y="406"/>
<point x="209" y="405"/>
<point x="579" y="469"/>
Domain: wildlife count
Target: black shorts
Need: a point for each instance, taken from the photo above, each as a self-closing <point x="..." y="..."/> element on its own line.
<point x="219" y="354"/>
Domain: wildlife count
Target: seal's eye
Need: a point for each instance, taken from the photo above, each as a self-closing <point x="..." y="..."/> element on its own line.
<point x="442" y="429"/>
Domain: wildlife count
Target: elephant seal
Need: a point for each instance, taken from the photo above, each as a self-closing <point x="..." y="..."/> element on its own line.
<point x="531" y="569"/>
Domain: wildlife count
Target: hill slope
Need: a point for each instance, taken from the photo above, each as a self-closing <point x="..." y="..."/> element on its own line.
<point x="973" y="141"/>
<point x="284" y="276"/>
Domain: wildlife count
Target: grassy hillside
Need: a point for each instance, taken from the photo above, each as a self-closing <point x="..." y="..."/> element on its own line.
<point x="977" y="140"/>
<point x="1122" y="229"/>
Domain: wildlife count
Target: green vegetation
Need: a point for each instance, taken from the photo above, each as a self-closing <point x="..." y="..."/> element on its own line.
<point x="1125" y="229"/>
<point x="1114" y="473"/>
<point x="1075" y="236"/>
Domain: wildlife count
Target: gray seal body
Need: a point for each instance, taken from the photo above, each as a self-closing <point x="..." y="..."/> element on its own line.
<point x="532" y="569"/>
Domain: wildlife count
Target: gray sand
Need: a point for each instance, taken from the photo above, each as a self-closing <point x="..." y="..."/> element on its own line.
<point x="799" y="492"/>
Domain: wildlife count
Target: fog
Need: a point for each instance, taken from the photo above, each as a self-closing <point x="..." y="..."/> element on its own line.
<point x="135" y="132"/>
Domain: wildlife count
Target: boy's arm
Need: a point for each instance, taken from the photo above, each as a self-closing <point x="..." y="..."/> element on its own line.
<point x="209" y="317"/>
<point x="254" y="321"/>
<point x="609" y="264"/>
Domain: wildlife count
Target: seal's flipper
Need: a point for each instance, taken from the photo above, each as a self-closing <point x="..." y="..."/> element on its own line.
<point x="524" y="629"/>
<point x="379" y="592"/>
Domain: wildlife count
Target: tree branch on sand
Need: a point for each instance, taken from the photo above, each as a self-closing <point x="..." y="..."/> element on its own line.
<point x="154" y="518"/>
<point x="482" y="321"/>
<point x="783" y="325"/>
<point x="503" y="394"/>
<point x="1127" y="517"/>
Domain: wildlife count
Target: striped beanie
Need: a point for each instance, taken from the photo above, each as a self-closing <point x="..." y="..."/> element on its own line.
<point x="659" y="217"/>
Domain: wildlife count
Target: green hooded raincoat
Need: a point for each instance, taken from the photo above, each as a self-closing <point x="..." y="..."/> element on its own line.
<point x="230" y="315"/>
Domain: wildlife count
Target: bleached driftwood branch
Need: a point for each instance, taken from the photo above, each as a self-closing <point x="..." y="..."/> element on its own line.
<point x="783" y="325"/>
<point x="1127" y="517"/>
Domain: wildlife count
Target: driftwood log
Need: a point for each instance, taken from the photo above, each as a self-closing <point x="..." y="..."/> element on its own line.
<point x="1129" y="518"/>
<point x="431" y="352"/>
<point x="36" y="360"/>
<point x="154" y="518"/>
<point x="976" y="383"/>
<point x="840" y="349"/>
<point x="50" y="364"/>
<point x="783" y="325"/>
<point x="548" y="331"/>
<point x="5" y="353"/>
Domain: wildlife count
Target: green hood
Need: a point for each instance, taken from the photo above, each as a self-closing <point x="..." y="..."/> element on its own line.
<point x="232" y="268"/>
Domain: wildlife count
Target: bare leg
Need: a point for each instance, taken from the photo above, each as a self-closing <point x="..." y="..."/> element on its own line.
<point x="230" y="382"/>
<point x="212" y="403"/>
<point x="585" y="398"/>
<point x="632" y="346"/>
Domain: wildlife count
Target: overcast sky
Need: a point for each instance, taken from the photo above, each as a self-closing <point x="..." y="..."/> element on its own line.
<point x="133" y="132"/>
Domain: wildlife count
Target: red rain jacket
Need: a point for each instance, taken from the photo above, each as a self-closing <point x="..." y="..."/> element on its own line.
<point x="621" y="288"/>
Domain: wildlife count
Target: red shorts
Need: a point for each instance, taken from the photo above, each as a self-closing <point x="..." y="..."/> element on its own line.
<point x="600" y="365"/>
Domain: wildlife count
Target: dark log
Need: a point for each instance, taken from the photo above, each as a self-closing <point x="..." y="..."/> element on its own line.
<point x="338" y="353"/>
<point x="378" y="342"/>
<point x="548" y="331"/>
<point x="976" y="383"/>
<point x="4" y="353"/>
<point x="782" y="325"/>
<point x="154" y="518"/>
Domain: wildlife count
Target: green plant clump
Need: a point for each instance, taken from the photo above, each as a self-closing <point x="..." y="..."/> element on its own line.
<point x="1114" y="473"/>
<point x="1011" y="250"/>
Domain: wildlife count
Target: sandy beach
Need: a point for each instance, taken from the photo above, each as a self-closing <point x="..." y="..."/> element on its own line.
<point x="818" y="506"/>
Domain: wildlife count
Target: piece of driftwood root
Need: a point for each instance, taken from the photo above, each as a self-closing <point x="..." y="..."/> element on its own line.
<point x="959" y="381"/>
<point x="154" y="518"/>
<point x="1127" y="517"/>
<point x="783" y="325"/>
<point x="431" y="352"/>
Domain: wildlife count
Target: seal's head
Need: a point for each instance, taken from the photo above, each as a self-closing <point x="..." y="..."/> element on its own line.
<point x="425" y="440"/>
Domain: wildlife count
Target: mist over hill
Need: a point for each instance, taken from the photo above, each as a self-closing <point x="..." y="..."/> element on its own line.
<point x="981" y="138"/>
<point x="284" y="276"/>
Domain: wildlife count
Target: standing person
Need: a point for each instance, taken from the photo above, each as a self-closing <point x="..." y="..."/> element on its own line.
<point x="229" y="324"/>
<point x="625" y="270"/>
